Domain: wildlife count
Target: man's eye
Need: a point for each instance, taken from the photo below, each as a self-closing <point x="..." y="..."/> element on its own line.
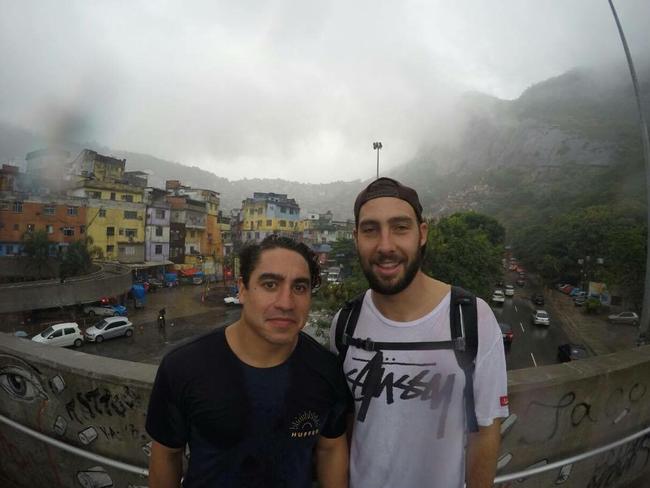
<point x="269" y="285"/>
<point x="302" y="288"/>
<point x="368" y="230"/>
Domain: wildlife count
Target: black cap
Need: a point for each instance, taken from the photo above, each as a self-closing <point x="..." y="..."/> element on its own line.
<point x="388" y="187"/>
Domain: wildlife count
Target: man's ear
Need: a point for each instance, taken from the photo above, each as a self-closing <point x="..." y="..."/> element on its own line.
<point x="242" y="290"/>
<point x="424" y="231"/>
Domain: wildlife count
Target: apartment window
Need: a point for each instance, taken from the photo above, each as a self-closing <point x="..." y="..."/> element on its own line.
<point x="73" y="211"/>
<point x="68" y="231"/>
<point x="131" y="232"/>
<point x="82" y="229"/>
<point x="192" y="250"/>
<point x="94" y="194"/>
<point x="102" y="212"/>
<point x="110" y="231"/>
<point x="159" y="231"/>
<point x="283" y="209"/>
<point x="16" y="227"/>
<point x="130" y="214"/>
<point x="283" y="223"/>
<point x="127" y="250"/>
<point x="121" y="231"/>
<point x="160" y="214"/>
<point x="48" y="210"/>
<point x="112" y="195"/>
<point x="158" y="248"/>
<point x="259" y="224"/>
<point x="269" y="223"/>
<point x="192" y="233"/>
<point x="30" y="227"/>
<point x="49" y="229"/>
<point x="18" y="207"/>
<point x="290" y="224"/>
<point x="127" y="198"/>
<point x="257" y="235"/>
<point x="110" y="249"/>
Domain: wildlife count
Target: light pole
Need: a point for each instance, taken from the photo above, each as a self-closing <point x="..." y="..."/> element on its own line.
<point x="377" y="146"/>
<point x="645" y="313"/>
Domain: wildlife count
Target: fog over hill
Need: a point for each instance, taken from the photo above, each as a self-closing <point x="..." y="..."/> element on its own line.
<point x="585" y="117"/>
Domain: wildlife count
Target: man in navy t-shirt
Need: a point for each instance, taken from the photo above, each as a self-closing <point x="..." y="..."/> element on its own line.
<point x="256" y="400"/>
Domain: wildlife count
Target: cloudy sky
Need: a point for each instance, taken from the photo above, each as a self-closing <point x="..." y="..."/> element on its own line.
<point x="294" y="89"/>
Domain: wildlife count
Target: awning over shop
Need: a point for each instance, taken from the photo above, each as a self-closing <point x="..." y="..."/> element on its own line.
<point x="189" y="271"/>
<point x="148" y="264"/>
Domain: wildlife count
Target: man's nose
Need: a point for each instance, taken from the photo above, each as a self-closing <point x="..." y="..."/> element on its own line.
<point x="284" y="299"/>
<point x="385" y="244"/>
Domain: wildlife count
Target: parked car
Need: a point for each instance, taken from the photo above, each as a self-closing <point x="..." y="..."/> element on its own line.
<point x="498" y="297"/>
<point x="506" y="333"/>
<point x="537" y="299"/>
<point x="580" y="300"/>
<point x="109" y="328"/>
<point x="541" y="317"/>
<point x="510" y="291"/>
<point x="521" y="282"/>
<point x="232" y="300"/>
<point x="624" y="318"/>
<point x="63" y="335"/>
<point x="566" y="289"/>
<point x="571" y="352"/>
<point x="577" y="292"/>
<point x="105" y="310"/>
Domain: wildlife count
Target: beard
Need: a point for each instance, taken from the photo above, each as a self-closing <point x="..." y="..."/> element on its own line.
<point x="387" y="288"/>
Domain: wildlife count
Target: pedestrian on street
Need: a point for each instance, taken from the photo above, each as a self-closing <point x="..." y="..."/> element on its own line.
<point x="161" y="317"/>
<point x="254" y="402"/>
<point x="424" y="361"/>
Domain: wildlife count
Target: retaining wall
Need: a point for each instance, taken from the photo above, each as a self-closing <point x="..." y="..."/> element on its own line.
<point x="99" y="405"/>
<point x="108" y="280"/>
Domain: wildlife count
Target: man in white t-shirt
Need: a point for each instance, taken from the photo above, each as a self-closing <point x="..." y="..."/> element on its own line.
<point x="411" y="428"/>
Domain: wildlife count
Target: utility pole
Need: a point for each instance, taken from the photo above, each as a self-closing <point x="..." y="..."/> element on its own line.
<point x="377" y="146"/>
<point x="645" y="313"/>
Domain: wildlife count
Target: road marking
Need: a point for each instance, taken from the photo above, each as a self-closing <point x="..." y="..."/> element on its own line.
<point x="522" y="327"/>
<point x="533" y="358"/>
<point x="516" y="309"/>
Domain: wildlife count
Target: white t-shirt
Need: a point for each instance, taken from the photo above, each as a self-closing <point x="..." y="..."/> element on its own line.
<point x="410" y="432"/>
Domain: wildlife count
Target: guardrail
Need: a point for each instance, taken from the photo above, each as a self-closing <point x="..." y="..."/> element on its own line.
<point x="145" y="472"/>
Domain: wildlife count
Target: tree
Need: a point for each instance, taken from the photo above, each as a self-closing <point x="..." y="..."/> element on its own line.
<point x="36" y="245"/>
<point x="463" y="254"/>
<point x="76" y="259"/>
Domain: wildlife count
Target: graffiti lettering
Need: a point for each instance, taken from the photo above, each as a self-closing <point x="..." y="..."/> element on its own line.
<point x="100" y="402"/>
<point x="619" y="462"/>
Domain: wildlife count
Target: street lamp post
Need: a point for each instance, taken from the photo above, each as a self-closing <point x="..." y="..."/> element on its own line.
<point x="377" y="146"/>
<point x="645" y="313"/>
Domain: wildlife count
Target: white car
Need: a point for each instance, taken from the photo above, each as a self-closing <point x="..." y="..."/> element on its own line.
<point x="498" y="297"/>
<point x="541" y="317"/>
<point x="232" y="300"/>
<point x="510" y="291"/>
<point x="104" y="310"/>
<point x="63" y="335"/>
<point x="108" y="328"/>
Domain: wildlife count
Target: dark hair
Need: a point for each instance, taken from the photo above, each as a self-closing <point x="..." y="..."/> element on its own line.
<point x="250" y="256"/>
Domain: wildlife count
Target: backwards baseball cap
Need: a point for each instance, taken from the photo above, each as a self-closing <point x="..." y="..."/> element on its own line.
<point x="388" y="187"/>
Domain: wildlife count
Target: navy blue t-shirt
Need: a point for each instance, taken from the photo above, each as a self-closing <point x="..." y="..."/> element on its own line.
<point x="246" y="426"/>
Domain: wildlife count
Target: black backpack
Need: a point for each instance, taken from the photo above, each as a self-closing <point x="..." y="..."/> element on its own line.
<point x="464" y="341"/>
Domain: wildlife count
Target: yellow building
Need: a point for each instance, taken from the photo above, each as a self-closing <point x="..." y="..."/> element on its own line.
<point x="269" y="213"/>
<point x="116" y="210"/>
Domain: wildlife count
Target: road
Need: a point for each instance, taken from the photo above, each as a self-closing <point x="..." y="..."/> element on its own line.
<point x="532" y="345"/>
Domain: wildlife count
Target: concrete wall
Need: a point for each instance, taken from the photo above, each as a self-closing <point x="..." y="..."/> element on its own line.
<point x="99" y="405"/>
<point x="110" y="280"/>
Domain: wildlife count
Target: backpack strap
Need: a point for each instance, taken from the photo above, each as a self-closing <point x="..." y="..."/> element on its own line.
<point x="346" y="323"/>
<point x="463" y="322"/>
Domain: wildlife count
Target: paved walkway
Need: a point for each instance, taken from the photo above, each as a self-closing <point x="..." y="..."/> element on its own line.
<point x="599" y="336"/>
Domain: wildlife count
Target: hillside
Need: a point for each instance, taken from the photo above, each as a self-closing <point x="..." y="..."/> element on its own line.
<point x="579" y="127"/>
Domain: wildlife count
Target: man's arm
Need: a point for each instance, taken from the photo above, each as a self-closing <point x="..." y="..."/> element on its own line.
<point x="482" y="452"/>
<point x="332" y="462"/>
<point x="165" y="466"/>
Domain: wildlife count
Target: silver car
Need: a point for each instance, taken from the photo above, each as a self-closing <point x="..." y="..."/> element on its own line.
<point x="109" y="328"/>
<point x="541" y="317"/>
<point x="624" y="318"/>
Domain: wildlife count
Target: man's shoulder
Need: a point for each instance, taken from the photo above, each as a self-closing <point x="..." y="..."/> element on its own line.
<point x="313" y="350"/>
<point x="196" y="350"/>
